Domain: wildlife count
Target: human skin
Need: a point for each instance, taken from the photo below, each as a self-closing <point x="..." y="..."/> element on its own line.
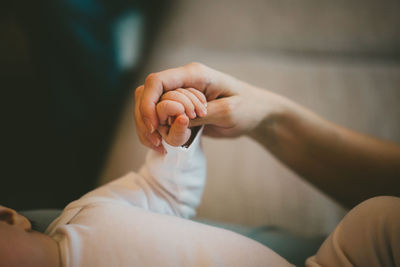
<point x="172" y="113"/>
<point x="348" y="166"/>
<point x="21" y="246"/>
<point x="182" y="104"/>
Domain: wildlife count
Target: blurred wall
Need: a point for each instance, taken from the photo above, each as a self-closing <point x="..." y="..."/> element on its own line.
<point x="338" y="58"/>
<point x="65" y="70"/>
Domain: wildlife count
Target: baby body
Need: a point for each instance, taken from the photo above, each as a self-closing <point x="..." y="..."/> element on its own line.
<point x="141" y="219"/>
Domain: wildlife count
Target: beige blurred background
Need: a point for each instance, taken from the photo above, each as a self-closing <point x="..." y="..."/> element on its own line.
<point x="338" y="58"/>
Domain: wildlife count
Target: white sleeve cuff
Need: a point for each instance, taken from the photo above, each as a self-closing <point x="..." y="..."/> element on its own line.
<point x="193" y="146"/>
<point x="181" y="172"/>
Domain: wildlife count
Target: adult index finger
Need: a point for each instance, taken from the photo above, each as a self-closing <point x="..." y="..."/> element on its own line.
<point x="152" y="140"/>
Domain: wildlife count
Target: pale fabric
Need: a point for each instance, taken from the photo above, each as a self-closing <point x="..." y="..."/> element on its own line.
<point x="128" y="222"/>
<point x="369" y="235"/>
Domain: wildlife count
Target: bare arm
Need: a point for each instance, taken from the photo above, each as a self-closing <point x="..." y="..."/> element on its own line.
<point x="348" y="166"/>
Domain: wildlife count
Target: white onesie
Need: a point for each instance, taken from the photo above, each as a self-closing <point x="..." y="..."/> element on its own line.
<point x="138" y="220"/>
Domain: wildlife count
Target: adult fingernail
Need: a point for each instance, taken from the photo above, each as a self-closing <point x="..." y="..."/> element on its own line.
<point x="148" y="124"/>
<point x="156" y="141"/>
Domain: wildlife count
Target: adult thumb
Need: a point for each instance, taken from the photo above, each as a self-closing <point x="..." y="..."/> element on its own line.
<point x="216" y="109"/>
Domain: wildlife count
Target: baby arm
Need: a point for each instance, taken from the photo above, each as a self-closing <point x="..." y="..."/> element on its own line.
<point x="170" y="183"/>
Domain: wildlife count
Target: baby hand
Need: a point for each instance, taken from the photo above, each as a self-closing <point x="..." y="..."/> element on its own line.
<point x="174" y="111"/>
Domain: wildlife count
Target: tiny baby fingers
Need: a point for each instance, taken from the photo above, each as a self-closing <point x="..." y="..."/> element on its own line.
<point x="199" y="95"/>
<point x="168" y="108"/>
<point x="179" y="133"/>
<point x="200" y="108"/>
<point x="183" y="99"/>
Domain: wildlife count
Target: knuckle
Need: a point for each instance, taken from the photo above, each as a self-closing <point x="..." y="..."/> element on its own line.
<point x="168" y="95"/>
<point x="199" y="71"/>
<point x="195" y="65"/>
<point x="152" y="77"/>
<point x="138" y="92"/>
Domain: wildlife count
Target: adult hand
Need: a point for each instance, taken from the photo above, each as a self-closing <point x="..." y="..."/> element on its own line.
<point x="334" y="159"/>
<point x="234" y="107"/>
<point x="188" y="102"/>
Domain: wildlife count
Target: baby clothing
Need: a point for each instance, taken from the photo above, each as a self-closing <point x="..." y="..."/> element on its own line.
<point x="140" y="220"/>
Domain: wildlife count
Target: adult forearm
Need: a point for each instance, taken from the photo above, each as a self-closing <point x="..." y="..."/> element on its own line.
<point x="348" y="166"/>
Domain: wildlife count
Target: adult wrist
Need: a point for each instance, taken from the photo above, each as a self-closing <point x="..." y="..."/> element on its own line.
<point x="275" y="115"/>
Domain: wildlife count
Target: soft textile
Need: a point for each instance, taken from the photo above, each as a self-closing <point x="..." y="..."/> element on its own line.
<point x="137" y="220"/>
